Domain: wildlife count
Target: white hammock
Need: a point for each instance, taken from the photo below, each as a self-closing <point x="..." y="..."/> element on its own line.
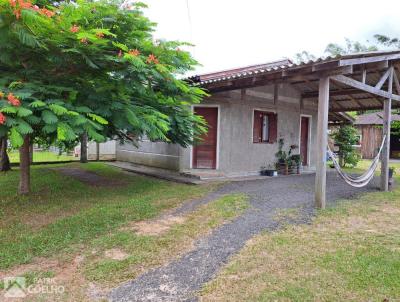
<point x="365" y="178"/>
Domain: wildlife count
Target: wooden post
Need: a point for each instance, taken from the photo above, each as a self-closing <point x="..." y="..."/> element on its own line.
<point x="322" y="142"/>
<point x="387" y="118"/>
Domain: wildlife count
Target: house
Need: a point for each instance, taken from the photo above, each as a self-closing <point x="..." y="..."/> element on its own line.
<point x="370" y="129"/>
<point x="244" y="128"/>
<point x="251" y="108"/>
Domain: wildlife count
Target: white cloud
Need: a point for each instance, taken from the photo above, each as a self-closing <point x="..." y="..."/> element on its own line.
<point x="231" y="33"/>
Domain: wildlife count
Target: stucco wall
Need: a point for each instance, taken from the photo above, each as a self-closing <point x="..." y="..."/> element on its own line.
<point x="107" y="150"/>
<point x="237" y="154"/>
<point x="155" y="154"/>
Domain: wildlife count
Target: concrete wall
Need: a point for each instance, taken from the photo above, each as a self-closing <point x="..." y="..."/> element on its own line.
<point x="155" y="154"/>
<point x="107" y="150"/>
<point x="237" y="154"/>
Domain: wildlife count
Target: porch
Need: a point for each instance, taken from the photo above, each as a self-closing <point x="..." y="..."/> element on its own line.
<point x="362" y="81"/>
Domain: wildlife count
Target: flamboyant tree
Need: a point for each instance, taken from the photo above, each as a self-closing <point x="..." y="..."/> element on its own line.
<point x="90" y="68"/>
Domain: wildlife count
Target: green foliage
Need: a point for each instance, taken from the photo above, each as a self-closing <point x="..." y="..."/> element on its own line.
<point x="345" y="138"/>
<point x="286" y="157"/>
<point x="92" y="67"/>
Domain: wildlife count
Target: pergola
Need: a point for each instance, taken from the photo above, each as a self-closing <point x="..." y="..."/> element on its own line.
<point x="355" y="82"/>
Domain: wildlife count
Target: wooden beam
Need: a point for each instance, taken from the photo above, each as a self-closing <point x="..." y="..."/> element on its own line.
<point x="396" y="81"/>
<point x="243" y="94"/>
<point x="276" y="94"/>
<point x="349" y="109"/>
<point x="387" y="118"/>
<point x="338" y="92"/>
<point x="364" y="76"/>
<point x="383" y="78"/>
<point x="322" y="142"/>
<point x="365" y="60"/>
<point x="364" y="87"/>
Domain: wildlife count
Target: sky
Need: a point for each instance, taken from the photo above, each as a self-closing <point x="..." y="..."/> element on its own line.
<point x="232" y="33"/>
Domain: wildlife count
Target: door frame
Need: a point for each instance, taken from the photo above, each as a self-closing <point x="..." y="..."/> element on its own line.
<point x="218" y="133"/>
<point x="309" y="138"/>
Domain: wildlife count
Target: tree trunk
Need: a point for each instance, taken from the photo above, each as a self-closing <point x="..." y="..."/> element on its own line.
<point x="24" y="165"/>
<point x="84" y="141"/>
<point x="4" y="159"/>
<point x="30" y="153"/>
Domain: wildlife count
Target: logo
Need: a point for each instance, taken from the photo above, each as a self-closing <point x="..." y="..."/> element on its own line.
<point x="15" y="287"/>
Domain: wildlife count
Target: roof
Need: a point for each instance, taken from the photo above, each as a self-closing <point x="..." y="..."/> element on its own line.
<point x="375" y="118"/>
<point x="304" y="77"/>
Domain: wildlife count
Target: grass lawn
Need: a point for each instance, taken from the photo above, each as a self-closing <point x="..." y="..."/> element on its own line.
<point x="349" y="253"/>
<point x="42" y="156"/>
<point x="86" y="237"/>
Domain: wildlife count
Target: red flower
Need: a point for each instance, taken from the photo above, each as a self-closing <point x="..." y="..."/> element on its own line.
<point x="12" y="100"/>
<point x="100" y="35"/>
<point x="13" y="3"/>
<point x="134" y="52"/>
<point x="25" y="5"/>
<point x="2" y="119"/>
<point x="74" y="28"/>
<point x="47" y="12"/>
<point x="35" y="8"/>
<point x="17" y="13"/>
<point x="152" y="59"/>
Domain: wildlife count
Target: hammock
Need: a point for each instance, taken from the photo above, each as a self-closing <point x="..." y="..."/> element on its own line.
<point x="365" y="178"/>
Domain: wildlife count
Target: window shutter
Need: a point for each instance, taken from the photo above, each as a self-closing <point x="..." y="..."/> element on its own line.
<point x="257" y="126"/>
<point x="273" y="128"/>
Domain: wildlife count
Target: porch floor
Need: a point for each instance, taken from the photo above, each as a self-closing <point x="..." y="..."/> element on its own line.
<point x="193" y="176"/>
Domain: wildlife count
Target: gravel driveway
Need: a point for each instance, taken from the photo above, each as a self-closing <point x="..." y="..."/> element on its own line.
<point x="180" y="279"/>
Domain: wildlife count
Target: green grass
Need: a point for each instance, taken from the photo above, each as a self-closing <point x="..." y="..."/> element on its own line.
<point x="62" y="213"/>
<point x="349" y="253"/>
<point x="146" y="251"/>
<point x="42" y="156"/>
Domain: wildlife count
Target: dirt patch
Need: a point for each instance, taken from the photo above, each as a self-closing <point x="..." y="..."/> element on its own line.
<point x="66" y="274"/>
<point x="156" y="227"/>
<point x="116" y="254"/>
<point x="90" y="178"/>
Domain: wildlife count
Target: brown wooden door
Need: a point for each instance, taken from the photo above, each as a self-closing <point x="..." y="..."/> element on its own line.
<point x="304" y="133"/>
<point x="205" y="151"/>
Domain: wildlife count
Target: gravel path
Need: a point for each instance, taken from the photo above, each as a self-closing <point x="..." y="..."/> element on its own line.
<point x="180" y="279"/>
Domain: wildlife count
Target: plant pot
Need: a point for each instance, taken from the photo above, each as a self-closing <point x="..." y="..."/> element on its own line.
<point x="282" y="168"/>
<point x="269" y="173"/>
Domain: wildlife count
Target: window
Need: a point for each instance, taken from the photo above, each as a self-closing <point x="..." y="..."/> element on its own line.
<point x="265" y="127"/>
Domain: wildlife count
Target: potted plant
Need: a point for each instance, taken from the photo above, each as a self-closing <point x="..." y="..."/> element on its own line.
<point x="392" y="171"/>
<point x="296" y="162"/>
<point x="268" y="171"/>
<point x="284" y="158"/>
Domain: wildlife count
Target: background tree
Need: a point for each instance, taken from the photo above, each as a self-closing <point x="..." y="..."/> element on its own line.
<point x="4" y="159"/>
<point x="90" y="67"/>
<point x="346" y="137"/>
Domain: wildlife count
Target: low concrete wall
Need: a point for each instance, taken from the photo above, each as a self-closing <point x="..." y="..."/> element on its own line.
<point x="107" y="150"/>
<point x="155" y="154"/>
